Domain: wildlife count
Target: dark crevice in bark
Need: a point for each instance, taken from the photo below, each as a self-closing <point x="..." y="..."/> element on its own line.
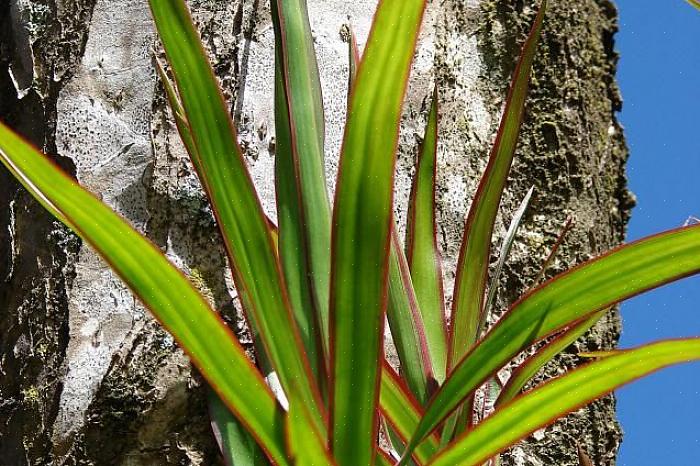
<point x="36" y="252"/>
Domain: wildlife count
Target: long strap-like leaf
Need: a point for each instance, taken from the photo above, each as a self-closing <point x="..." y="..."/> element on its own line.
<point x="554" y="399"/>
<point x="472" y="266"/>
<point x="523" y="373"/>
<point x="403" y="412"/>
<point x="406" y="324"/>
<point x="227" y="182"/>
<point x="503" y="254"/>
<point x="303" y="208"/>
<point x="306" y="445"/>
<point x="159" y="285"/>
<point x="564" y="300"/>
<point x="361" y="221"/>
<point x="422" y="249"/>
<point x="237" y="446"/>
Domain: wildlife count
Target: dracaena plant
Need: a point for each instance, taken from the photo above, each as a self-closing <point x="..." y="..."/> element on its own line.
<point x="315" y="288"/>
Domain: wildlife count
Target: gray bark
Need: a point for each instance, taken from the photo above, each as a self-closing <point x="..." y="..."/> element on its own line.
<point x="86" y="375"/>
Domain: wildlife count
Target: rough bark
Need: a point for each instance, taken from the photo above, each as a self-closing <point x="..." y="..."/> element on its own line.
<point x="86" y="375"/>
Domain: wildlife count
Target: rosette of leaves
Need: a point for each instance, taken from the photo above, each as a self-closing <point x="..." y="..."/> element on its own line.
<point x="316" y="287"/>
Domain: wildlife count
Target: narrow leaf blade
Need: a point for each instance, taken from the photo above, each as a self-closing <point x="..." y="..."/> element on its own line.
<point x="422" y="248"/>
<point x="560" y="396"/>
<point x="537" y="361"/>
<point x="506" y="246"/>
<point x="472" y="266"/>
<point x="361" y="225"/>
<point x="159" y="285"/>
<point x="226" y="180"/>
<point x="595" y="285"/>
<point x="237" y="446"/>
<point x="302" y="199"/>
<point x="403" y="412"/>
<point x="305" y="444"/>
<point x="406" y="324"/>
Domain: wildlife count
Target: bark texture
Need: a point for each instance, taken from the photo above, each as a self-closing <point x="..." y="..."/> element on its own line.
<point x="86" y="375"/>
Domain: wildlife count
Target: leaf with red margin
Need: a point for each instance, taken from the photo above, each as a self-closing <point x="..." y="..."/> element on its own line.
<point x="406" y="324"/>
<point x="472" y="267"/>
<point x="162" y="288"/>
<point x="305" y="444"/>
<point x="362" y="217"/>
<point x="523" y="373"/>
<point x="403" y="413"/>
<point x="545" y="404"/>
<point x="592" y="286"/>
<point x="422" y="248"/>
<point x="239" y="215"/>
<point x="303" y="207"/>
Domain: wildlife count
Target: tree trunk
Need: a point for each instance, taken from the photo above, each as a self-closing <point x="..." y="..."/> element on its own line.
<point x="86" y="375"/>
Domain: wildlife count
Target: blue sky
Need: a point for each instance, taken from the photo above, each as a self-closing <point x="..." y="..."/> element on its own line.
<point x="659" y="75"/>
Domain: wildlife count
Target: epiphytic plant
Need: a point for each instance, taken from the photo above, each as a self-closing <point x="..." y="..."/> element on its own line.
<point x="315" y="288"/>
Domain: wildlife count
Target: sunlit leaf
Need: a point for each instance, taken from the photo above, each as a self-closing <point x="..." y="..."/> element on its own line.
<point x="473" y="262"/>
<point x="403" y="412"/>
<point x="362" y="219"/>
<point x="563" y="300"/>
<point x="560" y="396"/>
<point x="239" y="215"/>
<point x="537" y="361"/>
<point x="305" y="444"/>
<point x="159" y="285"/>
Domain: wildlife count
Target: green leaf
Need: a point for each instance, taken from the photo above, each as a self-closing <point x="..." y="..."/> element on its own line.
<point x="595" y="285"/>
<point x="226" y="180"/>
<point x="560" y="396"/>
<point x="695" y="3"/>
<point x="237" y="445"/>
<point x="305" y="444"/>
<point x="472" y="267"/>
<point x="162" y="288"/>
<point x="422" y="248"/>
<point x="503" y="256"/>
<point x="406" y="324"/>
<point x="383" y="459"/>
<point x="302" y="200"/>
<point x="361" y="225"/>
<point x="464" y="417"/>
<point x="537" y="361"/>
<point x="403" y="413"/>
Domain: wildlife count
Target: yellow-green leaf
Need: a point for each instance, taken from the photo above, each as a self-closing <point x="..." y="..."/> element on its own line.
<point x="560" y="396"/>
<point x="563" y="300"/>
<point x="472" y="267"/>
<point x="239" y="215"/>
<point x="361" y="221"/>
<point x="159" y="285"/>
